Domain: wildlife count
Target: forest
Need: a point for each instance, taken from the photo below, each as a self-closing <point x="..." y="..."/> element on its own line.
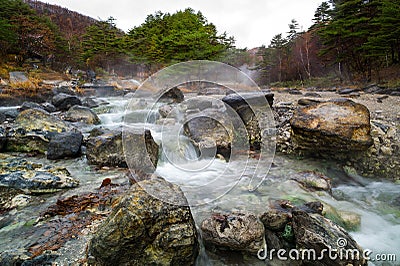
<point x="352" y="41"/>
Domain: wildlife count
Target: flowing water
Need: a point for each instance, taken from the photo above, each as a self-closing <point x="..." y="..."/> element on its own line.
<point x="212" y="184"/>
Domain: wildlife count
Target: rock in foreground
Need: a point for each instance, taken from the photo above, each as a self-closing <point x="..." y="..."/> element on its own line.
<point x="237" y="231"/>
<point x="333" y="126"/>
<point x="143" y="230"/>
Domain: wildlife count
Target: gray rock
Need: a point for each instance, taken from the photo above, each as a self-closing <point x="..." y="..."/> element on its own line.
<point x="210" y="134"/>
<point x="348" y="91"/>
<point x="165" y="110"/>
<point x="82" y="114"/>
<point x="32" y="131"/>
<point x="318" y="233"/>
<point x="11" y="113"/>
<point x="336" y="126"/>
<point x="305" y="101"/>
<point x="30" y="105"/>
<point x="64" y="89"/>
<point x="143" y="230"/>
<point x="64" y="101"/>
<point x="48" y="107"/>
<point x="243" y="105"/>
<point x="65" y="144"/>
<point x="3" y="138"/>
<point x="37" y="181"/>
<point x="90" y="102"/>
<point x="173" y="95"/>
<point x="6" y="196"/>
<point x="275" y="220"/>
<point x="313" y="181"/>
<point x="236" y="101"/>
<point x="107" y="150"/>
<point x="3" y="118"/>
<point x="313" y="94"/>
<point x="17" y="77"/>
<point x="236" y="231"/>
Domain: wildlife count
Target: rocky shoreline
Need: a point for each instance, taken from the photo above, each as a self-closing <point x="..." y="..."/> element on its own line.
<point x="121" y="223"/>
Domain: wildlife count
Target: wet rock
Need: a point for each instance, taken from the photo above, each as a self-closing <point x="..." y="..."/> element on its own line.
<point x="24" y="258"/>
<point x="275" y="220"/>
<point x="48" y="107"/>
<point x="65" y="145"/>
<point x="313" y="181"/>
<point x="235" y="231"/>
<point x="165" y="110"/>
<point x="318" y="233"/>
<point x="90" y="102"/>
<point x="2" y="118"/>
<point x="3" y="138"/>
<point x="294" y="92"/>
<point x="143" y="230"/>
<point x="37" y="181"/>
<point x="82" y="114"/>
<point x="348" y="91"/>
<point x="6" y="196"/>
<point x="305" y="102"/>
<point x="336" y="126"/>
<point x="21" y="174"/>
<point x="313" y="94"/>
<point x="107" y="149"/>
<point x="64" y="101"/>
<point x="64" y="89"/>
<point x="11" y="113"/>
<point x="175" y="95"/>
<point x="236" y="101"/>
<point x="210" y="136"/>
<point x="244" y="104"/>
<point x="33" y="130"/>
<point x="30" y="105"/>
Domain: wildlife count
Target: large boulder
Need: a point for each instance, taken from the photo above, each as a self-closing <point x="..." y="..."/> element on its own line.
<point x="244" y="104"/>
<point x="143" y="230"/>
<point x="82" y="114"/>
<point x="235" y="231"/>
<point x="315" y="232"/>
<point x="63" y="101"/>
<point x="33" y="130"/>
<point x="30" y="105"/>
<point x="334" y="126"/>
<point x="291" y="227"/>
<point x="107" y="149"/>
<point x="65" y="144"/>
<point x="173" y="95"/>
<point x="210" y="135"/>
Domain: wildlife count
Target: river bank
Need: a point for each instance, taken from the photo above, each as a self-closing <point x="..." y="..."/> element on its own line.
<point x="367" y="208"/>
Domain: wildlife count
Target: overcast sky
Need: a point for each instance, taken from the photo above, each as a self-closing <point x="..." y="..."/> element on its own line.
<point x="252" y="23"/>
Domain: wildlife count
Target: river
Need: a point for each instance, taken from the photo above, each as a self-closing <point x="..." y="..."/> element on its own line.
<point x="217" y="185"/>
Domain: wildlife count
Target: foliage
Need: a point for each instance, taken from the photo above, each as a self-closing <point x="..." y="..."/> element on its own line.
<point x="102" y="44"/>
<point x="362" y="35"/>
<point x="182" y="36"/>
<point x="27" y="35"/>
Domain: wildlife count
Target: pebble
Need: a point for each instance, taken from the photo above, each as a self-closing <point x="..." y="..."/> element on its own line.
<point x="386" y="151"/>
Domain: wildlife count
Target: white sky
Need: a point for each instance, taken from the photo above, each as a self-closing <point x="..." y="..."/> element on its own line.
<point x="252" y="23"/>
